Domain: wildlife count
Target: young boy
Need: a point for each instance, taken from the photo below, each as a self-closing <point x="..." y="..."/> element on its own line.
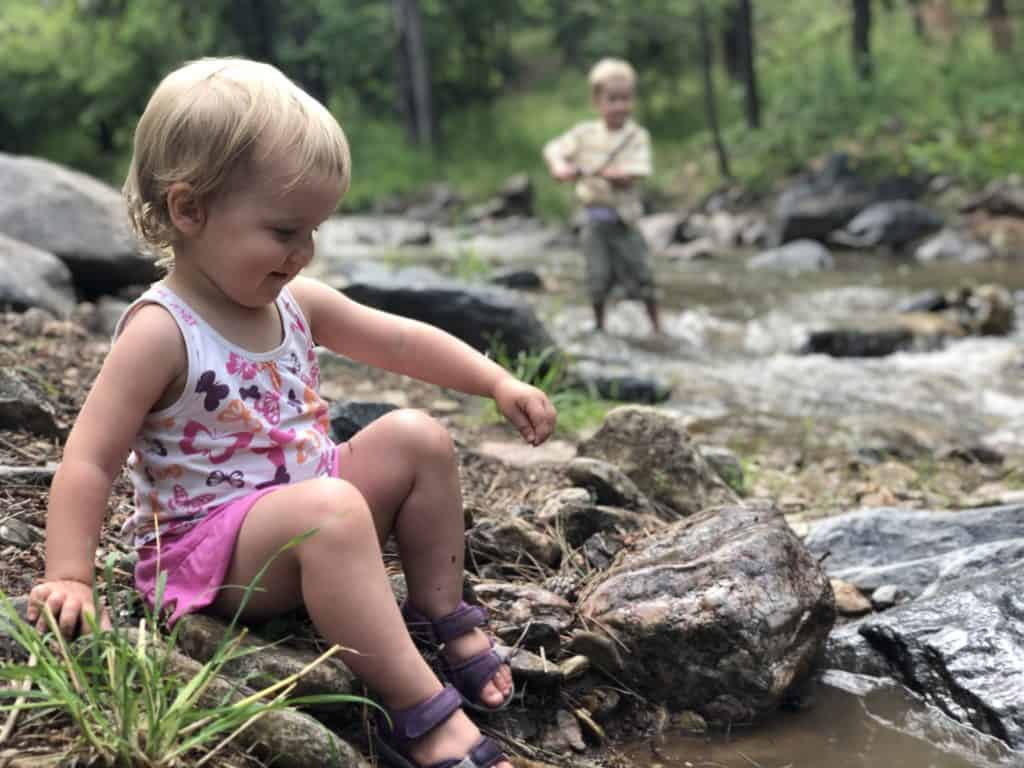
<point x="605" y="158"/>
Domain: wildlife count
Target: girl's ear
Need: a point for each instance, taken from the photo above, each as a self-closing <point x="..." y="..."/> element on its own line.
<point x="184" y="209"/>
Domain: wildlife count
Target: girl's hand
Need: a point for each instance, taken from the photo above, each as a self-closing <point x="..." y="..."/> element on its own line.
<point x="528" y="408"/>
<point x="69" y="601"/>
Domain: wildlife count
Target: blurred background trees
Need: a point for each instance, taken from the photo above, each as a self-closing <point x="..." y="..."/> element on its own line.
<point x="468" y="91"/>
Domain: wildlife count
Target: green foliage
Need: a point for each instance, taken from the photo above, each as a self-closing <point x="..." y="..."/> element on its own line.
<point x="549" y="371"/>
<point x="128" y="704"/>
<point x="470" y="266"/>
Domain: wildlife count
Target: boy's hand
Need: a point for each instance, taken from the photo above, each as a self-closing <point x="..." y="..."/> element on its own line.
<point x="565" y="172"/>
<point x="69" y="601"/>
<point x="528" y="408"/>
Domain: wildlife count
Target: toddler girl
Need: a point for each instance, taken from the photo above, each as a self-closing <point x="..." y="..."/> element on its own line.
<point x="211" y="386"/>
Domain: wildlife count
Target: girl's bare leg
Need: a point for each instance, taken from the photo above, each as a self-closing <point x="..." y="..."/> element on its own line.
<point x="404" y="464"/>
<point x="338" y="573"/>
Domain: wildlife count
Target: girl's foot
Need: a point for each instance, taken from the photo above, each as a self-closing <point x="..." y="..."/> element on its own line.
<point x="461" y="649"/>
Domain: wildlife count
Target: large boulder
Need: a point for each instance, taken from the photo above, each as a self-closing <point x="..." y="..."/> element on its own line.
<point x="77" y="218"/>
<point x="721" y="613"/>
<point x="482" y="317"/>
<point x="962" y="650"/>
<point x="654" y="449"/>
<point x="30" y="277"/>
<point x="892" y="224"/>
<point x="820" y="203"/>
<point x="794" y="257"/>
<point x="918" y="550"/>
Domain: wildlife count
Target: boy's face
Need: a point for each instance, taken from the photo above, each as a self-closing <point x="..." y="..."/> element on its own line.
<point x="614" y="102"/>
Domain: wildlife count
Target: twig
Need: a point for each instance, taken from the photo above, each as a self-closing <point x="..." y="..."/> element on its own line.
<point x="12" y="719"/>
<point x="20" y="451"/>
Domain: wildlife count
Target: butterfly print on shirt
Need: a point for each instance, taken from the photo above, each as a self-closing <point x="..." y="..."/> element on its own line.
<point x="227" y="444"/>
<point x="235" y="478"/>
<point x="182" y="501"/>
<point x="249" y="393"/>
<point x="215" y="392"/>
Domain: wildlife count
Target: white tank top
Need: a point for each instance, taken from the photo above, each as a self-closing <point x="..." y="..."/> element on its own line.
<point x="244" y="421"/>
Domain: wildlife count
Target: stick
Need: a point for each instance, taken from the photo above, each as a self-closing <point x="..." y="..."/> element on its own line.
<point x="12" y="719"/>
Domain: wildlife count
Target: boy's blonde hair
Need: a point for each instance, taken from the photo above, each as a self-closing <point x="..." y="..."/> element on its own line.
<point x="611" y="69"/>
<point x="212" y="117"/>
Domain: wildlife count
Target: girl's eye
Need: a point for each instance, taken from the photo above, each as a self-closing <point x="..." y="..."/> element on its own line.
<point x="284" y="232"/>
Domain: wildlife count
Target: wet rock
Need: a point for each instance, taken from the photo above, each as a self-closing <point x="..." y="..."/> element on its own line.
<point x="794" y="257"/>
<point x="200" y="635"/>
<point x="608" y="484"/>
<point x="599" y="649"/>
<point x="654" y="449"/>
<point x="511" y="541"/>
<point x="846" y="649"/>
<point x="893" y="224"/>
<point x="479" y="316"/>
<point x="530" y="669"/>
<point x="348" y="418"/>
<point x="820" y="203"/>
<point x="697" y="250"/>
<point x="963" y="650"/>
<point x="22" y="408"/>
<point x="30" y="277"/>
<point x="660" y="230"/>
<point x="579" y="520"/>
<point x="849" y="600"/>
<point x="1001" y="197"/>
<point x="847" y="342"/>
<point x="918" y="550"/>
<point x="925" y="301"/>
<point x="600" y="549"/>
<point x="688" y="608"/>
<point x="518" y="279"/>
<point x="77" y="218"/>
<point x="950" y="245"/>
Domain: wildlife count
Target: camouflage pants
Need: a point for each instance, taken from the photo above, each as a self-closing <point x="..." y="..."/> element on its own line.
<point x="617" y="257"/>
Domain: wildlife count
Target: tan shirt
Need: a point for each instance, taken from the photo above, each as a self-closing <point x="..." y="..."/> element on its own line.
<point x="588" y="146"/>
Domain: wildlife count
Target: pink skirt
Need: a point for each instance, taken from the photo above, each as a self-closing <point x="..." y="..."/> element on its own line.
<point x="196" y="561"/>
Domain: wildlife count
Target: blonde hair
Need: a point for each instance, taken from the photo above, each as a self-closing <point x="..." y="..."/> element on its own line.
<point x="211" y="117"/>
<point x="611" y="69"/>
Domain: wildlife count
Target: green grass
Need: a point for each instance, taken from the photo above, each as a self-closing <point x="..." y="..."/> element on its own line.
<point x="118" y="688"/>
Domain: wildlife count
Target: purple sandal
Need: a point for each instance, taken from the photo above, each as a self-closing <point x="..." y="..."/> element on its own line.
<point x="417" y="721"/>
<point x="470" y="676"/>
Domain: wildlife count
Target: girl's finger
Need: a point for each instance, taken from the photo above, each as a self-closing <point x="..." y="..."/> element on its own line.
<point x="69" y="614"/>
<point x="36" y="598"/>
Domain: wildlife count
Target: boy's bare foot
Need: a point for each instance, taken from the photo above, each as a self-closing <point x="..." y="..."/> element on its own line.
<point x="470" y="644"/>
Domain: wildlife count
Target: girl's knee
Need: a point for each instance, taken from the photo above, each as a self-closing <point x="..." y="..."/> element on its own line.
<point x="423" y="433"/>
<point x="330" y="503"/>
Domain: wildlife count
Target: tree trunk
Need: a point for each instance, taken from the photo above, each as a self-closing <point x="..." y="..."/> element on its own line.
<point x="752" y="98"/>
<point x="709" y="90"/>
<point x="862" y="38"/>
<point x="915" y="10"/>
<point x="415" y="98"/>
<point x="1000" y="25"/>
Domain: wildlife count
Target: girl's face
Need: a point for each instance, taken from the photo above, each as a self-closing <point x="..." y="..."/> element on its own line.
<point x="257" y="235"/>
<point x="614" y="102"/>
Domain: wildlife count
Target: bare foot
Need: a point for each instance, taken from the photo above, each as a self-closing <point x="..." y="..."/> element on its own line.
<point x="451" y="740"/>
<point x="470" y="644"/>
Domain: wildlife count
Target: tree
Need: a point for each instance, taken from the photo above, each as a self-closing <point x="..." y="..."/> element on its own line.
<point x="415" y="97"/>
<point x="1000" y="26"/>
<point x="862" y="38"/>
<point x="709" y="89"/>
<point x="744" y="21"/>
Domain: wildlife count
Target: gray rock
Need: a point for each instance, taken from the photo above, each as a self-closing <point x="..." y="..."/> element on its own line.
<point x="917" y="549"/>
<point x="30" y="277"/>
<point x="893" y="223"/>
<point x="815" y="206"/>
<point x="847" y="649"/>
<point x="511" y="541"/>
<point x="482" y="317"/>
<point x="721" y="613"/>
<point x="518" y="279"/>
<point x="950" y="245"/>
<point x="608" y="483"/>
<point x="850" y="342"/>
<point x="22" y="408"/>
<point x="794" y="257"/>
<point x="75" y="217"/>
<point x="963" y="650"/>
<point x="654" y="449"/>
<point x="514" y="608"/>
<point x="19" y="533"/>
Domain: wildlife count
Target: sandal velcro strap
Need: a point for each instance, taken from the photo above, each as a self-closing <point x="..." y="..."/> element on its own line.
<point x="465" y="618"/>
<point x="420" y="719"/>
<point x="485" y="754"/>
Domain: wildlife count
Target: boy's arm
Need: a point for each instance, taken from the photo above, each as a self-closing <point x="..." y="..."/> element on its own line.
<point x="422" y="351"/>
<point x="143" y="362"/>
<point x="559" y="154"/>
<point x="633" y="164"/>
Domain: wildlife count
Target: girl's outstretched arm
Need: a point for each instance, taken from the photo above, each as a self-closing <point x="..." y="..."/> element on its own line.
<point x="142" y="364"/>
<point x="422" y="351"/>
